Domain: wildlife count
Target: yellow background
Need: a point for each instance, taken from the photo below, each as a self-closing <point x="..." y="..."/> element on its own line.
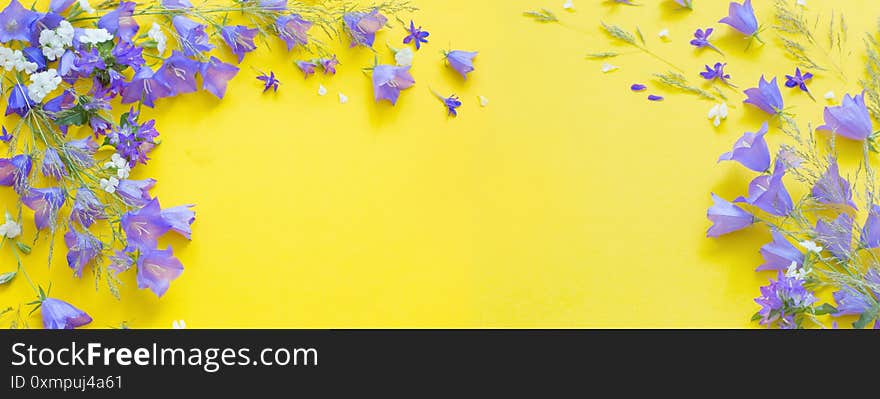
<point x="568" y="202"/>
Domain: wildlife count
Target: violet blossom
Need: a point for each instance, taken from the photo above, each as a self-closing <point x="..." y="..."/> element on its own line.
<point x="452" y="103"/>
<point x="750" y="150"/>
<point x="701" y="39"/>
<point x="307" y="67"/>
<point x="833" y="189"/>
<point x="362" y="27"/>
<point x="215" y="76"/>
<point x="181" y="219"/>
<point x="766" y="96"/>
<point x="135" y="192"/>
<point x="14" y="172"/>
<point x="836" y="235"/>
<point x="782" y="300"/>
<point x="87" y="208"/>
<point x="269" y="81"/>
<point x="850" y="119"/>
<point x="779" y="254"/>
<point x="52" y="165"/>
<point x="144" y="226"/>
<point x="461" y="61"/>
<point x="742" y="18"/>
<point x="193" y="37"/>
<point x="769" y="194"/>
<point x="58" y="314"/>
<point x="19" y="101"/>
<point x="240" y="39"/>
<point x="15" y="22"/>
<point x="120" y="21"/>
<point x="716" y="72"/>
<point x="416" y="35"/>
<point x="293" y="30"/>
<point x="727" y="217"/>
<point x="798" y="80"/>
<point x="5" y="137"/>
<point x="329" y="65"/>
<point x="389" y="80"/>
<point x="156" y="269"/>
<point x="178" y="73"/>
<point x="176" y="4"/>
<point x="45" y="202"/>
<point x="82" y="250"/>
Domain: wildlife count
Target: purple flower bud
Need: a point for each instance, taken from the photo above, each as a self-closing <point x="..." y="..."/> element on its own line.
<point x="750" y="150"/>
<point x="727" y="217"/>
<point x="58" y="314"/>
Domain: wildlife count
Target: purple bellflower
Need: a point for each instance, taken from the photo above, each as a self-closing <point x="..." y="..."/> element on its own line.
<point x="307" y="67"/>
<point x="15" y="22"/>
<point x="751" y="151"/>
<point x="389" y="80"/>
<point x="362" y="27"/>
<point x="19" y="101"/>
<point x="769" y="194"/>
<point x="5" y="137"/>
<point x="293" y="30"/>
<point x="156" y="269"/>
<point x="716" y="72"/>
<point x="870" y="237"/>
<point x="766" y="96"/>
<point x="833" y="189"/>
<point x="14" y="172"/>
<point x="329" y="65"/>
<point x="742" y="18"/>
<point x="144" y="226"/>
<point x="416" y="35"/>
<point x="727" y="217"/>
<point x="836" y="235"/>
<point x="87" y="208"/>
<point x="461" y="61"/>
<point x="701" y="40"/>
<point x="798" y="80"/>
<point x="144" y="87"/>
<point x="181" y="219"/>
<point x="52" y="165"/>
<point x="58" y="314"/>
<point x="193" y="37"/>
<point x="135" y="192"/>
<point x="452" y="103"/>
<point x="82" y="249"/>
<point x="779" y="254"/>
<point x="782" y="299"/>
<point x="850" y="302"/>
<point x="269" y="81"/>
<point x="274" y="5"/>
<point x="178" y="73"/>
<point x="120" y="21"/>
<point x="850" y="119"/>
<point x="215" y="75"/>
<point x="176" y="4"/>
<point x="45" y="202"/>
<point x="240" y="39"/>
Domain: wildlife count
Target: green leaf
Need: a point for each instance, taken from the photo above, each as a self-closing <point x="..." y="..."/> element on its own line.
<point x="6" y="277"/>
<point x="825" y="308"/>
<point x="756" y="317"/>
<point x="76" y="116"/>
<point x="24" y="248"/>
<point x="864" y="319"/>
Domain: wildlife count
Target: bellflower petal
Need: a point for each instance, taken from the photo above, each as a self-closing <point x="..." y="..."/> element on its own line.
<point x="87" y="208"/>
<point x="181" y="219"/>
<point x="45" y="202"/>
<point x="389" y="80"/>
<point x="82" y="249"/>
<point x="836" y="236"/>
<point x="58" y="314"/>
<point x="135" y="192"/>
<point x="850" y="302"/>
<point x="742" y="18"/>
<point x="15" y="22"/>
<point x="156" y="269"/>
<point x="850" y="119"/>
<point x="751" y="151"/>
<point x="193" y="37"/>
<point x="144" y="226"/>
<point x="145" y="87"/>
<point x="727" y="217"/>
<point x="461" y="61"/>
<point x="831" y="188"/>
<point x="779" y="254"/>
<point x="769" y="194"/>
<point x="215" y="75"/>
<point x="178" y="73"/>
<point x="19" y="101"/>
<point x="120" y="22"/>
<point x="240" y="39"/>
<point x="293" y="30"/>
<point x="362" y="27"/>
<point x="766" y="96"/>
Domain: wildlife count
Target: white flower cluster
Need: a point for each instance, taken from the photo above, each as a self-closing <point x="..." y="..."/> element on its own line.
<point x="10" y="229"/>
<point x="95" y="36"/>
<point x="14" y="60"/>
<point x="120" y="164"/>
<point x="43" y="83"/>
<point x="109" y="185"/>
<point x="794" y="271"/>
<point x="404" y="57"/>
<point x="155" y="34"/>
<point x="55" y="41"/>
<point x="84" y="4"/>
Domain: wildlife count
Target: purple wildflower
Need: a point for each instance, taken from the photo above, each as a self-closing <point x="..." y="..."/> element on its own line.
<point x="329" y="65"/>
<point x="181" y="219"/>
<point x="120" y="262"/>
<point x="461" y="61"/>
<point x="638" y="87"/>
<point x="176" y="4"/>
<point x="769" y="194"/>
<point x="742" y="18"/>
<point x="58" y="314"/>
<point x="52" y="165"/>
<point x="798" y="80"/>
<point x="274" y="5"/>
<point x="689" y="4"/>
<point x="782" y="299"/>
<point x="653" y="97"/>
<point x="45" y="202"/>
<point x="716" y="72"/>
<point x="836" y="235"/>
<point x="145" y="87"/>
<point x="307" y="67"/>
<point x="779" y="254"/>
<point x="833" y="189"/>
<point x="452" y="103"/>
<point x="766" y="96"/>
<point x="14" y="172"/>
<point x="389" y="80"/>
<point x="81" y="151"/>
<point x="751" y="151"/>
<point x="19" y="101"/>
<point x="701" y="39"/>
<point x="240" y="39"/>
<point x="135" y="192"/>
<point x="193" y="37"/>
<point x="850" y="119"/>
<point x="144" y="226"/>
<point x="120" y="22"/>
<point x="416" y="35"/>
<point x="156" y="269"/>
<point x="87" y="208"/>
<point x="850" y="301"/>
<point x="727" y="217"/>
<point x="5" y="137"/>
<point x="35" y="55"/>
<point x="870" y="237"/>
<point x="215" y="75"/>
<point x="178" y="73"/>
<point x="362" y="27"/>
<point x="293" y="30"/>
<point x="15" y="22"/>
<point x="127" y="54"/>
<point x="82" y="249"/>
<point x="269" y="81"/>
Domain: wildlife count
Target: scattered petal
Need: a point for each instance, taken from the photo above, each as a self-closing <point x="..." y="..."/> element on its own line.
<point x="664" y="34"/>
<point x="606" y="67"/>
<point x="343" y="98"/>
<point x="655" y="98"/>
<point x="568" y="5"/>
<point x="830" y="95"/>
<point x="638" y="87"/>
<point x="483" y="101"/>
<point x="322" y="91"/>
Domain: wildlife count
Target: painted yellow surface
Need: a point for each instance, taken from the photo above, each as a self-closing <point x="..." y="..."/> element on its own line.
<point x="568" y="201"/>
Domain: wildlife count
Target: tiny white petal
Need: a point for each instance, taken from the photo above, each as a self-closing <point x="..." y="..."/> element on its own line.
<point x="811" y="246"/>
<point x="714" y="111"/>
<point x="569" y="5"/>
<point x="178" y="324"/>
<point x="829" y="95"/>
<point x="802" y="3"/>
<point x="722" y="111"/>
<point x="664" y="34"/>
<point x="483" y="101"/>
<point x="717" y="121"/>
<point x="606" y="67"/>
<point x="343" y="98"/>
<point x="322" y="90"/>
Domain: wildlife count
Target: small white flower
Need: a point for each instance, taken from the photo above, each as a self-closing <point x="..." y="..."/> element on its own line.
<point x="322" y="91"/>
<point x="54" y="42"/>
<point x="830" y="96"/>
<point x="43" y="83"/>
<point x="10" y="229"/>
<point x="794" y="271"/>
<point x="606" y="67"/>
<point x="568" y="5"/>
<point x="664" y="34"/>
<point x="718" y="113"/>
<point x="483" y="101"/>
<point x="95" y="36"/>
<point x="158" y="36"/>
<point x="343" y="98"/>
<point x="802" y="3"/>
<point x="14" y="60"/>
<point x="403" y="57"/>
<point x="84" y="4"/>
<point x="811" y="246"/>
<point x="109" y="185"/>
<point x="178" y="324"/>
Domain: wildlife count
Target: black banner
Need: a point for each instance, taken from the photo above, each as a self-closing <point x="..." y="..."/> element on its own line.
<point x="330" y="362"/>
